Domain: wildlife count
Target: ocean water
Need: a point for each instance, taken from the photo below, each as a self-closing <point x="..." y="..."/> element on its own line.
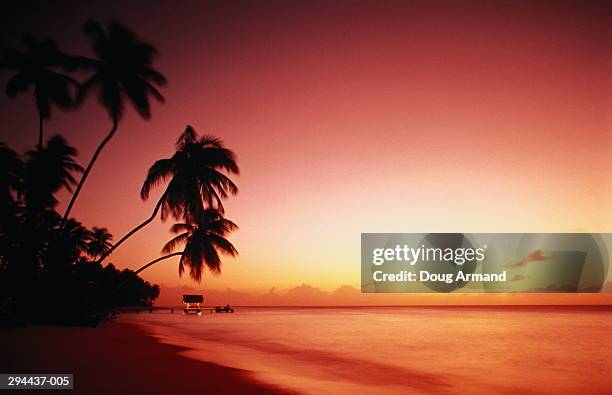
<point x="414" y="350"/>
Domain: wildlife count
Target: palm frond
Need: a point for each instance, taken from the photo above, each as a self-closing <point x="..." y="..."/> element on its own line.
<point x="158" y="173"/>
<point x="175" y="242"/>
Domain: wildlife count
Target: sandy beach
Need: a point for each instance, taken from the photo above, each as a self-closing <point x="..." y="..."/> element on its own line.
<point x="117" y="358"/>
<point x="390" y="350"/>
<point x="402" y="350"/>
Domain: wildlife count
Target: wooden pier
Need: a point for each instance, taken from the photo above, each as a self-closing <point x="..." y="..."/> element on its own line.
<point x="172" y="310"/>
<point x="193" y="305"/>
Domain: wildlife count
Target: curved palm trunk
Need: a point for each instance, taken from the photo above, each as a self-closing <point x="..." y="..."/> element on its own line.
<point x="154" y="261"/>
<point x="136" y="229"/>
<point x="110" y="135"/>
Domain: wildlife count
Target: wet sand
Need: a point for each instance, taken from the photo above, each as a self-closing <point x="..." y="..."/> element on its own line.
<point x="117" y="358"/>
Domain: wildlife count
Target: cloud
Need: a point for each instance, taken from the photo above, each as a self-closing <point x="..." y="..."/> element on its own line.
<point x="607" y="287"/>
<point x="554" y="288"/>
<point x="535" y="256"/>
<point x="304" y="290"/>
<point x="346" y="290"/>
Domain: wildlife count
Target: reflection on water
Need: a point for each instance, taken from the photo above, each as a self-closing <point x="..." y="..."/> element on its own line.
<point x="403" y="350"/>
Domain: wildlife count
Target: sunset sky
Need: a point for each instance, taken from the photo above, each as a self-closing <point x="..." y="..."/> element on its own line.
<point x="350" y="117"/>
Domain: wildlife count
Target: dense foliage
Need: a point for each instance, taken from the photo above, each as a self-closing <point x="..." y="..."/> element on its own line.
<point x="51" y="266"/>
<point x="48" y="273"/>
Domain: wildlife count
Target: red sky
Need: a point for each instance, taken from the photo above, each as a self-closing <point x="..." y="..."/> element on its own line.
<point x="352" y="117"/>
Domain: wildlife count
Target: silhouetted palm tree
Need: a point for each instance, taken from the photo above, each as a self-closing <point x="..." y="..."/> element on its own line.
<point x="37" y="67"/>
<point x="195" y="180"/>
<point x="75" y="238"/>
<point x="123" y="71"/>
<point x="10" y="175"/>
<point x="46" y="171"/>
<point x="10" y="184"/>
<point x="30" y="224"/>
<point x="203" y="240"/>
<point x="99" y="242"/>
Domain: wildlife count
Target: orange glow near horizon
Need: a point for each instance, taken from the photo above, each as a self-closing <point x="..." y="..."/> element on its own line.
<point x="388" y="117"/>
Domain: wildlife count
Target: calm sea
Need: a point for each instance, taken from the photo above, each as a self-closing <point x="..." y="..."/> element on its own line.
<point x="403" y="350"/>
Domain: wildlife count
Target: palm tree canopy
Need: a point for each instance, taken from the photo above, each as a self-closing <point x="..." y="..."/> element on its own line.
<point x="47" y="170"/>
<point x="100" y="241"/>
<point x="123" y="68"/>
<point x="37" y="67"/>
<point x="10" y="173"/>
<point x="77" y="235"/>
<point x="203" y="240"/>
<point x="69" y="245"/>
<point x="196" y="176"/>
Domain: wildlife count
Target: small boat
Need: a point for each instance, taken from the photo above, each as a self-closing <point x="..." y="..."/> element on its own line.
<point x="224" y="309"/>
